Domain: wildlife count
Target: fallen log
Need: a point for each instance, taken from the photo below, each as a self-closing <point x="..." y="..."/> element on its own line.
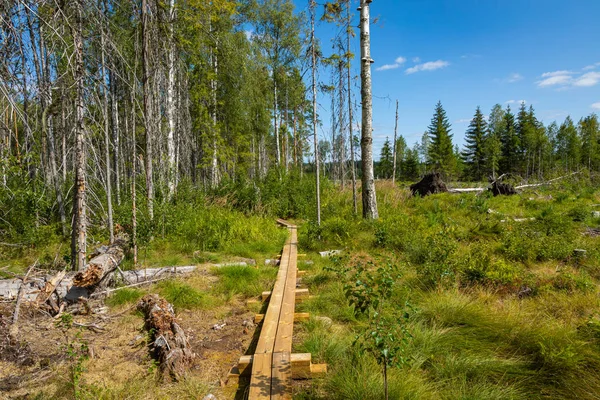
<point x="101" y="266"/>
<point x="169" y="343"/>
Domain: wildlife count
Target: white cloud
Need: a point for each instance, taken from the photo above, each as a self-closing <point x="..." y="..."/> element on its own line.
<point x="596" y="106"/>
<point x="564" y="80"/>
<point x="516" y="102"/>
<point x="462" y="121"/>
<point x="249" y="34"/>
<point x="556" y="78"/>
<point x="428" y="66"/>
<point x="416" y="60"/>
<point x="398" y="62"/>
<point x="387" y="67"/>
<point x="515" y="77"/>
<point x="589" y="79"/>
<point x="591" y="67"/>
<point x="556" y="73"/>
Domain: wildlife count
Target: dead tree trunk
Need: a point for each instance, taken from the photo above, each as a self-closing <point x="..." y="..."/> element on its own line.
<point x="369" y="198"/>
<point x="314" y="105"/>
<point x="148" y="120"/>
<point x="352" y="157"/>
<point x="79" y="230"/>
<point x="169" y="343"/>
<point x="101" y="266"/>
<point x="111" y="230"/>
<point x="171" y="104"/>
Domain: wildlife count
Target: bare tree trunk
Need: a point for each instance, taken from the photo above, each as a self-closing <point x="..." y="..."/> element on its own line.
<point x="214" y="172"/>
<point x="133" y="177"/>
<point x="79" y="230"/>
<point x="350" y="122"/>
<point x="115" y="134"/>
<point x="369" y="197"/>
<point x="111" y="230"/>
<point x="341" y="122"/>
<point x="395" y="144"/>
<point x="148" y="120"/>
<point x="314" y="104"/>
<point x="171" y="104"/>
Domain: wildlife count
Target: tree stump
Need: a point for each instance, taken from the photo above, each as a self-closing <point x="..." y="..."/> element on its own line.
<point x="431" y="183"/>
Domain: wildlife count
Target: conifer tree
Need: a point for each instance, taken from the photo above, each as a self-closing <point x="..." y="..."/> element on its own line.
<point x="474" y="153"/>
<point x="400" y="150"/>
<point x="410" y="169"/>
<point x="510" y="143"/>
<point x="440" y="151"/>
<point x="386" y="160"/>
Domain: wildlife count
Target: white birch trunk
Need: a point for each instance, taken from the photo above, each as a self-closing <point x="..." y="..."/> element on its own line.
<point x="171" y="104"/>
<point x="314" y="104"/>
<point x="369" y="198"/>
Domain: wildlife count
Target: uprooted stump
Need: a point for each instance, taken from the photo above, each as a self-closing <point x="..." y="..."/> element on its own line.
<point x="430" y="184"/>
<point x="170" y="346"/>
<point x="502" y="189"/>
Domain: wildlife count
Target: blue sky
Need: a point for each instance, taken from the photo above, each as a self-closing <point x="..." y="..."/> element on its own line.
<point x="469" y="53"/>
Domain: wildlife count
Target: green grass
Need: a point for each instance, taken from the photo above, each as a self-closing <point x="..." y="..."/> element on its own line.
<point x="183" y="295"/>
<point x="244" y="281"/>
<point x="475" y="335"/>
<point x="124" y="296"/>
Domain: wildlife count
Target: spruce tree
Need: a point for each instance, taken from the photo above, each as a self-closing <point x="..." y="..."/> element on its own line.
<point x="385" y="160"/>
<point x="474" y="152"/>
<point x="510" y="143"/>
<point x="440" y="151"/>
<point x="401" y="148"/>
<point x="410" y="169"/>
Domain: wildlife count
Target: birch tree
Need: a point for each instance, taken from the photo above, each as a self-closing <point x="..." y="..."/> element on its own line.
<point x="369" y="197"/>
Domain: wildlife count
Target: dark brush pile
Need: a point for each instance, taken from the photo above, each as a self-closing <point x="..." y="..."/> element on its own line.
<point x="430" y="184"/>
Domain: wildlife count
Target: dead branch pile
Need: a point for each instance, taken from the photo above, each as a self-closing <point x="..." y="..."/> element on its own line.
<point x="169" y="343"/>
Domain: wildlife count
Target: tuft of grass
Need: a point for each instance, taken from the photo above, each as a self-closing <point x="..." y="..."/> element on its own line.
<point x="183" y="296"/>
<point x="245" y="281"/>
<point x="124" y="296"/>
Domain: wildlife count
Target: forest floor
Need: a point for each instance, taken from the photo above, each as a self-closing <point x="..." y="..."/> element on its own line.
<point x="495" y="301"/>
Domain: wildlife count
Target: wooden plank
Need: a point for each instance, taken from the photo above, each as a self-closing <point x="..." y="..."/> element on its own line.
<point x="300" y="294"/>
<point x="260" y="383"/>
<point x="298" y="317"/>
<point x="281" y="380"/>
<point x="268" y="332"/>
<point x="302" y="368"/>
<point x="285" y="329"/>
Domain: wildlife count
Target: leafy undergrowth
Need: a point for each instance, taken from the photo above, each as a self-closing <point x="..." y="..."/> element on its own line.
<point x="499" y="309"/>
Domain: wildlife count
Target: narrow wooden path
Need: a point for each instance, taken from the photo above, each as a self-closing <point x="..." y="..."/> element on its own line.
<point x="273" y="366"/>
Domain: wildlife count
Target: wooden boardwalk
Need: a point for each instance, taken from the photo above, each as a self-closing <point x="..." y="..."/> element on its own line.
<point x="273" y="366"/>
